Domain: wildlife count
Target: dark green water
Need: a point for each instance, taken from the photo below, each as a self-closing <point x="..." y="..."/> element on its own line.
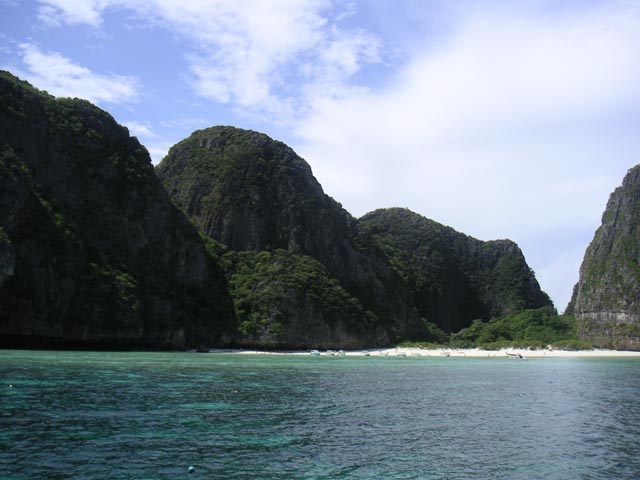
<point x="78" y="415"/>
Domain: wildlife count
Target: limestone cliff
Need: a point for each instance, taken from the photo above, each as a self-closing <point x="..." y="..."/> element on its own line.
<point x="92" y="251"/>
<point x="606" y="299"/>
<point x="455" y="278"/>
<point x="254" y="194"/>
<point x="284" y="300"/>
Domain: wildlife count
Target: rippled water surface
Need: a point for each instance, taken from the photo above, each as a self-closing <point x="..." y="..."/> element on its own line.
<point x="79" y="415"/>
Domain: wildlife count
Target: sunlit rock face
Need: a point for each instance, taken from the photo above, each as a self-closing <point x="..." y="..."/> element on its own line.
<point x="606" y="299"/>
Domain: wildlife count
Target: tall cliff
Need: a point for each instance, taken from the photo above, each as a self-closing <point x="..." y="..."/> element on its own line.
<point x="284" y="300"/>
<point x="606" y="299"/>
<point x="92" y="251"/>
<point x="254" y="194"/>
<point x="455" y="278"/>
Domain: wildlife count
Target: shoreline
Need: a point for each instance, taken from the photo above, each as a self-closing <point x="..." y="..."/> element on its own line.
<point x="516" y="353"/>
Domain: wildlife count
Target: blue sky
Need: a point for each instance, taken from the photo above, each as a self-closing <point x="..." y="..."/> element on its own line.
<point x="501" y="119"/>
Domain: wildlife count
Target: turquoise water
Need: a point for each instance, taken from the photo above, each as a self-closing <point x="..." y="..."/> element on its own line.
<point x="79" y="415"/>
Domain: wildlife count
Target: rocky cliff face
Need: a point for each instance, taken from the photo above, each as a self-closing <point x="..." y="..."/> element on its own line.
<point x="255" y="194"/>
<point x="284" y="300"/>
<point x="92" y="251"/>
<point x="606" y="300"/>
<point x="455" y="278"/>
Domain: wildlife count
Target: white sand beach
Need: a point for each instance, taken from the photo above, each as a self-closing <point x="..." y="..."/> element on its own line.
<point x="443" y="352"/>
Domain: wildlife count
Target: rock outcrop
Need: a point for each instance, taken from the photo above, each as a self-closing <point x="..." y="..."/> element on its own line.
<point x="606" y="299"/>
<point x="255" y="194"/>
<point x="455" y="278"/>
<point x="92" y="250"/>
<point x="96" y="249"/>
<point x="284" y="300"/>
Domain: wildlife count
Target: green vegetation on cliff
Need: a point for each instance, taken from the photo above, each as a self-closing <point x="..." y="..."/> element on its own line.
<point x="252" y="193"/>
<point x="244" y="189"/>
<point x="415" y="276"/>
<point x="606" y="299"/>
<point x="454" y="278"/>
<point x="285" y="300"/>
<point x="530" y="328"/>
<point x="93" y="252"/>
<point x="289" y="300"/>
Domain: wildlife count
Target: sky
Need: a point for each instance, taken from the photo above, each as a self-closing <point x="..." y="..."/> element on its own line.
<point x="502" y="119"/>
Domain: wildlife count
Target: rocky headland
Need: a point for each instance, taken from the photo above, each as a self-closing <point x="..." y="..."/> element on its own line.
<point x="606" y="299"/>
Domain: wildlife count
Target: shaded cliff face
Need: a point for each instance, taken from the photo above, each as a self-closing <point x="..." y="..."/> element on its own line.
<point x="284" y="300"/>
<point x="92" y="251"/>
<point x="455" y="278"/>
<point x="606" y="300"/>
<point x="253" y="193"/>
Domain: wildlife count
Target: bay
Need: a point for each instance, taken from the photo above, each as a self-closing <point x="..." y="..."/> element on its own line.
<point x="140" y="415"/>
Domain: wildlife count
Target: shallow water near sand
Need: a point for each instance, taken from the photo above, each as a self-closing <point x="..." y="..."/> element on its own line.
<point x="87" y="415"/>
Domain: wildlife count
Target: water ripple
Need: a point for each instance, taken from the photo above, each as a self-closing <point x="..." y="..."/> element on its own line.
<point x="71" y="415"/>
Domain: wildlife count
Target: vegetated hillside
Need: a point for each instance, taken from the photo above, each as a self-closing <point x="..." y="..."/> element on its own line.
<point x="92" y="251"/>
<point x="284" y="300"/>
<point x="534" y="328"/>
<point x="254" y="194"/>
<point x="606" y="299"/>
<point x="455" y="278"/>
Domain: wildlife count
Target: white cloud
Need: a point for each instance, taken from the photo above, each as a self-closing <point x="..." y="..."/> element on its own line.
<point x="560" y="274"/>
<point x="62" y="77"/>
<point x="266" y="56"/>
<point x="56" y="12"/>
<point x="241" y="49"/>
<point x="511" y="127"/>
<point x="192" y="122"/>
<point x="158" y="150"/>
<point x="500" y="97"/>
<point x="140" y="129"/>
<point x="507" y="122"/>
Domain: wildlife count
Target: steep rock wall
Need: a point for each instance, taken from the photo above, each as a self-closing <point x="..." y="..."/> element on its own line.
<point x="606" y="299"/>
<point x="92" y="251"/>
<point x="253" y="193"/>
<point x="455" y="278"/>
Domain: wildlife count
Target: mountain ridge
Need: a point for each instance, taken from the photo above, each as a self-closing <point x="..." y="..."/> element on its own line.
<point x="230" y="240"/>
<point x="253" y="193"/>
